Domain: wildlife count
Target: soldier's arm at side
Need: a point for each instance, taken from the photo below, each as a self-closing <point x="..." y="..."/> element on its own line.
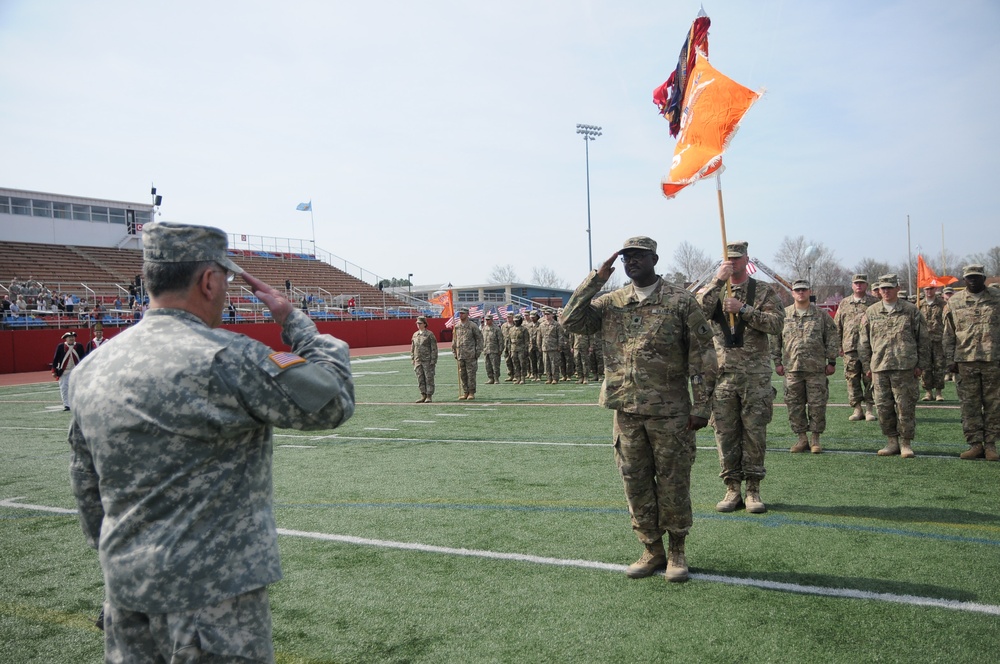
<point x="86" y="486"/>
<point x="949" y="341"/>
<point x="832" y="344"/>
<point x="703" y="364"/>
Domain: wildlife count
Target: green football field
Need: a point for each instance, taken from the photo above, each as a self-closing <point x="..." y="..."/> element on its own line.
<point x="496" y="531"/>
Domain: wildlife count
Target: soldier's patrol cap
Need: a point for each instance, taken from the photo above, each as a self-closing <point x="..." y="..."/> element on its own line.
<point x="489" y="316"/>
<point x="463" y="310"/>
<point x="69" y="334"/>
<point x="533" y="313"/>
<point x="548" y="310"/>
<point x="518" y="317"/>
<point x="171" y="242"/>
<point x="859" y="278"/>
<point x="422" y="319"/>
<point x="639" y="243"/>
<point x="800" y="283"/>
<point x="888" y="281"/>
<point x="972" y="270"/>
<point x="737" y="249"/>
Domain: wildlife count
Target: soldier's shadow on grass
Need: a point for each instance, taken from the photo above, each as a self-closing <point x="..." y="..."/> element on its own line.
<point x="899" y="514"/>
<point x="861" y="584"/>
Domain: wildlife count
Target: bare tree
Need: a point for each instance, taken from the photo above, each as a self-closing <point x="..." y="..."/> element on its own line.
<point x="690" y="261"/>
<point x="989" y="259"/>
<point x="502" y="274"/>
<point x="806" y="259"/>
<point x="547" y="278"/>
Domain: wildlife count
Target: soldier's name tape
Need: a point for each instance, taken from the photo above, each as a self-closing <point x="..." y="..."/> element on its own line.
<point x="844" y="593"/>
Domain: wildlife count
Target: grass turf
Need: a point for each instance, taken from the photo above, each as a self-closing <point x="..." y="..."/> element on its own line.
<point x="528" y="470"/>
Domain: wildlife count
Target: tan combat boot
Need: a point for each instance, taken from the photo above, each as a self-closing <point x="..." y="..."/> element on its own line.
<point x="905" y="451"/>
<point x="991" y="452"/>
<point x="940" y="396"/>
<point x="802" y="445"/>
<point x="463" y="397"/>
<point x="974" y="452"/>
<point x="857" y="415"/>
<point x="428" y="399"/>
<point x="677" y="567"/>
<point x="470" y="396"/>
<point x="653" y="558"/>
<point x="423" y="398"/>
<point x="891" y="448"/>
<point x="732" y="500"/>
<point x="754" y="504"/>
<point x="870" y="415"/>
<point x="814" y="445"/>
<point x="510" y="379"/>
<point x="928" y="395"/>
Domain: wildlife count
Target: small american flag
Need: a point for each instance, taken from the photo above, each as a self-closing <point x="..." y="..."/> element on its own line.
<point x="450" y="323"/>
<point x="523" y="311"/>
<point x="476" y="312"/>
<point x="751" y="268"/>
<point x="501" y="313"/>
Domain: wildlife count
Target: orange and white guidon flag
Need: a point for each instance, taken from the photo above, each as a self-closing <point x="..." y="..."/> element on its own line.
<point x="713" y="107"/>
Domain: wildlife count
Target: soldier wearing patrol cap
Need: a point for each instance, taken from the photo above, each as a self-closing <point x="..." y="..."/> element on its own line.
<point x="656" y="341"/>
<point x="848" y="322"/>
<point x="972" y="352"/>
<point x="518" y="342"/>
<point x="466" y="347"/>
<point x="424" y="355"/>
<point x="894" y="350"/>
<point x="805" y="353"/>
<point x="550" y="339"/>
<point x="744" y="396"/>
<point x="171" y="453"/>
<point x="493" y="343"/>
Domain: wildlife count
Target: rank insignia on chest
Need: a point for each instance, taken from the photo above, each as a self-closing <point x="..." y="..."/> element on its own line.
<point x="285" y="360"/>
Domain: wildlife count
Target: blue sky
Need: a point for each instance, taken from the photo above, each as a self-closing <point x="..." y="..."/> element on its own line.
<point x="438" y="137"/>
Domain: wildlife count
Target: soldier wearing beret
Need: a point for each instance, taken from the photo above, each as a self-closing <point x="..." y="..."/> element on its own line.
<point x="424" y="354"/>
<point x="656" y="341"/>
<point x="972" y="351"/>
<point x="744" y="396"/>
<point x="848" y="321"/>
<point x="805" y="353"/>
<point x="171" y="454"/>
<point x="894" y="351"/>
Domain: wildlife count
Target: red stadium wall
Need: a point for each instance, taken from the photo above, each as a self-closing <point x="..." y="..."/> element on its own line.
<point x="32" y="350"/>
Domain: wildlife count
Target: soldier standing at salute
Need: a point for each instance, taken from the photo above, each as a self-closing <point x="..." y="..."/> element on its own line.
<point x="744" y="396"/>
<point x="894" y="351"/>
<point x="805" y="353"/>
<point x="466" y="347"/>
<point x="972" y="351"/>
<point x="932" y="307"/>
<point x="848" y="321"/>
<point x="424" y="354"/>
<point x="658" y="340"/>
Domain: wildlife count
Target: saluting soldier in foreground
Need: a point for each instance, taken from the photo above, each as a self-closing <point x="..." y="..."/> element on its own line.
<point x="171" y="445"/>
<point x="655" y="340"/>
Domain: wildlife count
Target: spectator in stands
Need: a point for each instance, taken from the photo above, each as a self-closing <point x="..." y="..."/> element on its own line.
<point x="6" y="306"/>
<point x="305" y="304"/>
<point x="131" y="295"/>
<point x="118" y="304"/>
<point x="232" y="313"/>
<point x="15" y="310"/>
<point x="68" y="303"/>
<point x="68" y="355"/>
<point x="21" y="304"/>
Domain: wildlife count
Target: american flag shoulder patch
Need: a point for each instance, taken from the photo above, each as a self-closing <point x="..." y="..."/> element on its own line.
<point x="285" y="360"/>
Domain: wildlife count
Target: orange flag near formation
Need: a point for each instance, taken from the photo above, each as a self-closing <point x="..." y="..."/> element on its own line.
<point x="713" y="107"/>
<point x="927" y="278"/>
<point x="444" y="300"/>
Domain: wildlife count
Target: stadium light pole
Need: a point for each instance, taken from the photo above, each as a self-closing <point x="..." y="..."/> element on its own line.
<point x="589" y="133"/>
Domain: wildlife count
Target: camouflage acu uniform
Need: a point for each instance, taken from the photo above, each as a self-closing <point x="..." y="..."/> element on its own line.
<point x="566" y="365"/>
<point x="933" y="312"/>
<point x="493" y="344"/>
<point x="534" y="349"/>
<point x="595" y="357"/>
<point x="171" y="469"/>
<point x="581" y="352"/>
<point x="467" y="346"/>
<point x="807" y="343"/>
<point x="744" y="397"/>
<point x="424" y="354"/>
<point x="848" y="321"/>
<point x="893" y="344"/>
<point x="972" y="340"/>
<point x="550" y="341"/>
<point x="505" y="330"/>
<point x="651" y="349"/>
<point x="517" y="338"/>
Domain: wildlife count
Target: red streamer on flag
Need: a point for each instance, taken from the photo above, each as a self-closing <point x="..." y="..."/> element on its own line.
<point x="670" y="96"/>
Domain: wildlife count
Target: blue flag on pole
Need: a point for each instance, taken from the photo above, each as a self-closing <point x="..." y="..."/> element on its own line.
<point x="304" y="207"/>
